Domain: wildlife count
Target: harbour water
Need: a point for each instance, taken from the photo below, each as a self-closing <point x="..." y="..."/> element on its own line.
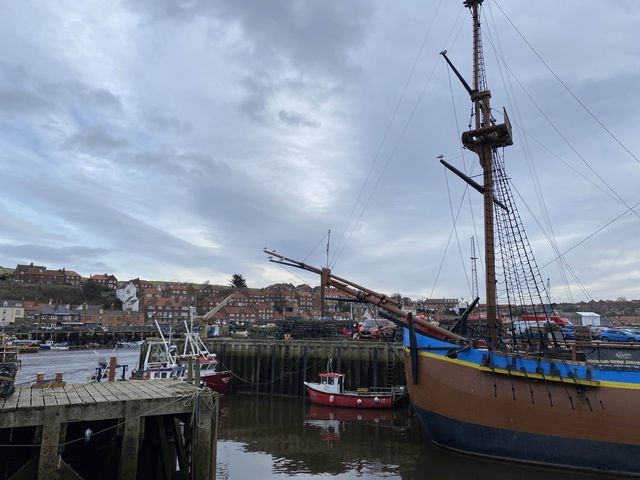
<point x="263" y="437"/>
<point x="77" y="365"/>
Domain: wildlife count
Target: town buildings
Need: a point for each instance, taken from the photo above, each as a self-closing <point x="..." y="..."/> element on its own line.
<point x="39" y="274"/>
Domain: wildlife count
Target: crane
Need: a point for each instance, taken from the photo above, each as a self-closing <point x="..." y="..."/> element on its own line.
<point x="217" y="308"/>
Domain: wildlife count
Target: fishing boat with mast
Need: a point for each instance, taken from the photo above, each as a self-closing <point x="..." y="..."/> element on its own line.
<point x="535" y="398"/>
<point x="211" y="374"/>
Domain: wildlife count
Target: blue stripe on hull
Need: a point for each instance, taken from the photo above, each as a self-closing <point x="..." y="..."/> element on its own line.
<point x="528" y="447"/>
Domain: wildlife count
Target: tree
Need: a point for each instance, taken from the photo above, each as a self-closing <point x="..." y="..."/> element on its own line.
<point x="90" y="290"/>
<point x="238" y="281"/>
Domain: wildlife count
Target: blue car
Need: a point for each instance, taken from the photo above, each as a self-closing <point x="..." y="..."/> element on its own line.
<point x="612" y="335"/>
<point x="569" y="333"/>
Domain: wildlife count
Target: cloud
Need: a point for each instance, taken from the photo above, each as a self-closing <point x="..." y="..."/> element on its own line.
<point x="95" y="140"/>
<point x="179" y="138"/>
<point x="56" y="256"/>
<point x="168" y="124"/>
<point x="20" y="101"/>
<point x="296" y="119"/>
<point x="73" y="92"/>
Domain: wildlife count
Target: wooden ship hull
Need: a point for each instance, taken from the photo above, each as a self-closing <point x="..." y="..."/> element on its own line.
<point x="528" y="410"/>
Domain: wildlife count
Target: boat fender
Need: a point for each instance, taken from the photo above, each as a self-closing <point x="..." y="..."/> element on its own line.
<point x="376" y="399"/>
<point x="359" y="401"/>
<point x="331" y="399"/>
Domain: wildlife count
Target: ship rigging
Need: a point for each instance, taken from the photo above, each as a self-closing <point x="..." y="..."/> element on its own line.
<point x="537" y="398"/>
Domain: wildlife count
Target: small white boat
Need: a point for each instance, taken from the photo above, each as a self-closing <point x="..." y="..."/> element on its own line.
<point x="50" y="345"/>
<point x="130" y="344"/>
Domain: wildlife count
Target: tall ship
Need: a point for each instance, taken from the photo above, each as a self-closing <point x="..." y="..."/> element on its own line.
<point x="533" y="396"/>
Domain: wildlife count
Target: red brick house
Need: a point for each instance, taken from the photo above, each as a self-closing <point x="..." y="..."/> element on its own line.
<point x="106" y="280"/>
<point x="39" y="274"/>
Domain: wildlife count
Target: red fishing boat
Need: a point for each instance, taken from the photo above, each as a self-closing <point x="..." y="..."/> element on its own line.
<point x="330" y="391"/>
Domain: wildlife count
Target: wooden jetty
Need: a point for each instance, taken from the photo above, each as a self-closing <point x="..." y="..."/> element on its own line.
<point x="279" y="367"/>
<point x="151" y="429"/>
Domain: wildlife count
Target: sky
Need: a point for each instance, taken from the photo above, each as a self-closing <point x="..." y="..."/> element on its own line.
<point x="175" y="140"/>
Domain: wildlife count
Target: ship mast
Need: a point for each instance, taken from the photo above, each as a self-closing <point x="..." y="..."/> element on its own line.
<point x="485" y="154"/>
<point x="484" y="139"/>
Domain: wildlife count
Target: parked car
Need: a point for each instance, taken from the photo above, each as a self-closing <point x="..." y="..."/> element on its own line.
<point x="569" y="333"/>
<point x="634" y="330"/>
<point x="614" y="335"/>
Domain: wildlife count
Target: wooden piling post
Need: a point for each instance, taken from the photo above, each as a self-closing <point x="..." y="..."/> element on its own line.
<point x="190" y="369"/>
<point x="128" y="466"/>
<point x="273" y="366"/>
<point x="375" y="367"/>
<point x="112" y="368"/>
<point x="258" y="360"/>
<point x="197" y="372"/>
<point x="50" y="443"/>
<point x="203" y="456"/>
<point x="305" y="360"/>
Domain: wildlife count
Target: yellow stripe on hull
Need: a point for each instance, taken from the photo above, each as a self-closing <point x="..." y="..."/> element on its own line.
<point x="532" y="376"/>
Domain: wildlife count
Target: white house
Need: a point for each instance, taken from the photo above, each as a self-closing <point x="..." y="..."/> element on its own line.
<point x="10" y="311"/>
<point x="127" y="295"/>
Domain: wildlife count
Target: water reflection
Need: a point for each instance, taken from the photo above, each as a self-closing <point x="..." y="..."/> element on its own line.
<point x="263" y="437"/>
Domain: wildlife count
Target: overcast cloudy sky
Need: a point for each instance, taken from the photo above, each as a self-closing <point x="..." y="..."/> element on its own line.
<point x="174" y="140"/>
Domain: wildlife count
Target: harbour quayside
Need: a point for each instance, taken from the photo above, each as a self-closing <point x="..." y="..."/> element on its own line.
<point x="536" y="398"/>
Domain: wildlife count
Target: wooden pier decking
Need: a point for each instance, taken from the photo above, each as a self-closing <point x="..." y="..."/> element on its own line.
<point x="155" y="424"/>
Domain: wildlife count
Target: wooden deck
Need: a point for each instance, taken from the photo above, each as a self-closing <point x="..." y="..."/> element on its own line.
<point x="145" y="412"/>
<point x="26" y="407"/>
